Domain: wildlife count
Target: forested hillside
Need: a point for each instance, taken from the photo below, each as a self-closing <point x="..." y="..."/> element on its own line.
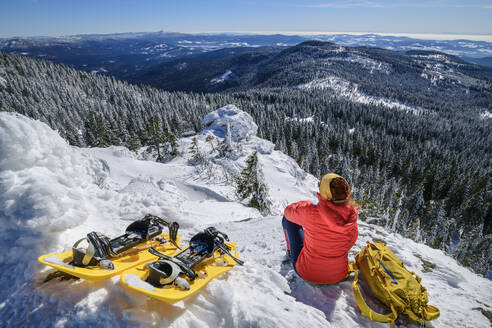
<point x="420" y="165"/>
<point x="432" y="80"/>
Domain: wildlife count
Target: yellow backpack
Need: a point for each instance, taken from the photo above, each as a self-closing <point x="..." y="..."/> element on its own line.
<point x="392" y="284"/>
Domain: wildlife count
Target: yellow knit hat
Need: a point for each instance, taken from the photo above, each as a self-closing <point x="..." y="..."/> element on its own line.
<point x="324" y="186"/>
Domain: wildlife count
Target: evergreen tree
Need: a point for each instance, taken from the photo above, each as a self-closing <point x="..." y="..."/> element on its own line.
<point x="173" y="143"/>
<point x="197" y="156"/>
<point x="250" y="185"/>
<point x="133" y="143"/>
<point x="72" y="135"/>
<point x="97" y="133"/>
<point x="154" y="137"/>
<point x="225" y="146"/>
<point x="210" y="139"/>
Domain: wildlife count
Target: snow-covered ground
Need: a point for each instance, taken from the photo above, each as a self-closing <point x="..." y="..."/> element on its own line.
<point x="222" y="78"/>
<point x="368" y="63"/>
<point x="309" y="119"/>
<point x="485" y="115"/>
<point x="350" y="91"/>
<point x="52" y="194"/>
<point x="440" y="67"/>
<point x="99" y="70"/>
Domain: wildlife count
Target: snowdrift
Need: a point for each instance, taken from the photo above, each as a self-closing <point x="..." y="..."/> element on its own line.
<point x="52" y="194"/>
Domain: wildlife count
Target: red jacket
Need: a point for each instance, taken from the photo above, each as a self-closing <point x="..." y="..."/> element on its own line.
<point x="329" y="232"/>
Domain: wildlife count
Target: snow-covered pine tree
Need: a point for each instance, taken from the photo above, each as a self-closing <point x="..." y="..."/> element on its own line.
<point x="133" y="143"/>
<point x="154" y="137"/>
<point x="249" y="185"/>
<point x="225" y="146"/>
<point x="72" y="135"/>
<point x="97" y="134"/>
<point x="210" y="139"/>
<point x="197" y="156"/>
<point x="173" y="143"/>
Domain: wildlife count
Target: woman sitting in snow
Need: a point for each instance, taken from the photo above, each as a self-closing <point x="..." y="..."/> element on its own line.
<point x="320" y="236"/>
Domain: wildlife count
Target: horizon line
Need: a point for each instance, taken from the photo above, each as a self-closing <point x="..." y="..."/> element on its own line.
<point x="424" y="36"/>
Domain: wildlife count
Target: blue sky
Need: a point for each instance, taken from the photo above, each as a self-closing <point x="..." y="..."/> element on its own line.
<point x="66" y="17"/>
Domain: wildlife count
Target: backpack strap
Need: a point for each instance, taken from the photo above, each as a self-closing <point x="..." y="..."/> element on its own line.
<point x="364" y="308"/>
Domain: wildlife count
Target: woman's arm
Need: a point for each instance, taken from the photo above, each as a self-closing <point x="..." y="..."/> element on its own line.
<point x="354" y="232"/>
<point x="300" y="212"/>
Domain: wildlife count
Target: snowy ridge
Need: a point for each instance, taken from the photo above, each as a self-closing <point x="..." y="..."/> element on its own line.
<point x="54" y="194"/>
<point x="441" y="68"/>
<point x="368" y="63"/>
<point x="348" y="90"/>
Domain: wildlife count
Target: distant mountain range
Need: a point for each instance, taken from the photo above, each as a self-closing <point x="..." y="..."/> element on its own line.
<point x="361" y="74"/>
<point x="125" y="54"/>
<point x="462" y="48"/>
<point x="484" y="61"/>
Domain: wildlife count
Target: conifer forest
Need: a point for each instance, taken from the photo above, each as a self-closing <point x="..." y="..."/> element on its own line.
<point x="415" y="145"/>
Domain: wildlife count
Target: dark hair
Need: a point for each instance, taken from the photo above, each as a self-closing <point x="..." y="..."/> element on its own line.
<point x="340" y="191"/>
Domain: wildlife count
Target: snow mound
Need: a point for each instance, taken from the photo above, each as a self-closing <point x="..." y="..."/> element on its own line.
<point x="45" y="187"/>
<point x="42" y="179"/>
<point x="241" y="124"/>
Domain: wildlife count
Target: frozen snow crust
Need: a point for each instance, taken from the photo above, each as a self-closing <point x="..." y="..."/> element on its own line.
<point x="52" y="194"/>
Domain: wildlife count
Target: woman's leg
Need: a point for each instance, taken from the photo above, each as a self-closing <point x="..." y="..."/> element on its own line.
<point x="294" y="236"/>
